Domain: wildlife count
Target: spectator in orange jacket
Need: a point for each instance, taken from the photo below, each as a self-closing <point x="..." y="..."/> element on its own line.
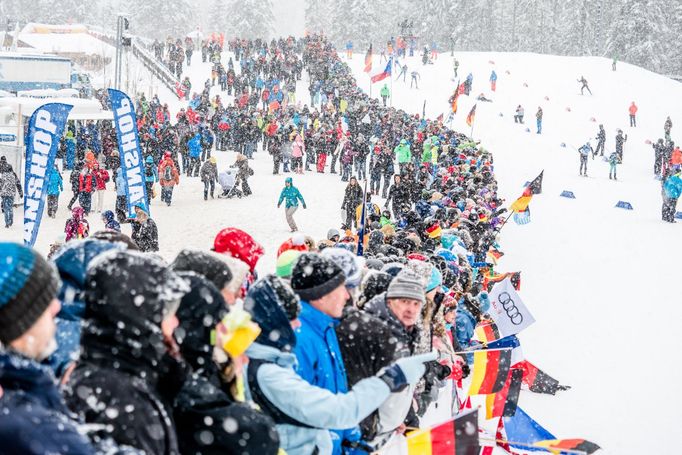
<point x="168" y="177"/>
<point x="633" y="112"/>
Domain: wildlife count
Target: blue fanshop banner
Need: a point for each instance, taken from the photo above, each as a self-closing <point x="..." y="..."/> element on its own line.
<point x="132" y="165"/>
<point x="45" y="129"/>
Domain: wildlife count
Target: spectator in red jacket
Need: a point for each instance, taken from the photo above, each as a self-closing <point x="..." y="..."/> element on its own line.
<point x="101" y="179"/>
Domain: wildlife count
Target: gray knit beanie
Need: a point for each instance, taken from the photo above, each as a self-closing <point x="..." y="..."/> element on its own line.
<point x="406" y="285"/>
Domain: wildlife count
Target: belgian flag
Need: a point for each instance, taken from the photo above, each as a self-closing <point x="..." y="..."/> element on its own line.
<point x="491" y="368"/>
<point x="557" y="445"/>
<point x="454" y="437"/>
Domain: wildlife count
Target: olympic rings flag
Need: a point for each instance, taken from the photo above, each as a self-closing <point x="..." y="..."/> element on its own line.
<point x="130" y="151"/>
<point x="45" y="129"/>
<point x="508" y="310"/>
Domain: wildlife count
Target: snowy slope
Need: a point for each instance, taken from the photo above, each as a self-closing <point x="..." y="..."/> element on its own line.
<point x="597" y="278"/>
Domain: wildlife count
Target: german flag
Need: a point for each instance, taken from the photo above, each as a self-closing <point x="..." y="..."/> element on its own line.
<point x="490" y="279"/>
<point x="491" y="369"/>
<point x="494" y="255"/>
<point x="453" y="100"/>
<point x="434" y="231"/>
<point x="368" y="59"/>
<point x="537" y="380"/>
<point x="521" y="204"/>
<point x="470" y="117"/>
<point x="503" y="403"/>
<point x="536" y="185"/>
<point x="557" y="445"/>
<point x="454" y="437"/>
<point x="486" y="332"/>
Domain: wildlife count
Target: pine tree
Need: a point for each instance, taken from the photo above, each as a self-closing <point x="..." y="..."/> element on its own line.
<point x="250" y="18"/>
<point x="639" y="31"/>
<point x="217" y="16"/>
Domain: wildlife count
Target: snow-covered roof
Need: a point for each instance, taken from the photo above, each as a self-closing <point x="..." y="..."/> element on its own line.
<point x="64" y="43"/>
<point x="35" y="27"/>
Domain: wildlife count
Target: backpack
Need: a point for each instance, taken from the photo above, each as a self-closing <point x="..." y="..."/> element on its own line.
<point x="168" y="173"/>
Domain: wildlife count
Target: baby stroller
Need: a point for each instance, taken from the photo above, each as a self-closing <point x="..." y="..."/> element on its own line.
<point x="227" y="180"/>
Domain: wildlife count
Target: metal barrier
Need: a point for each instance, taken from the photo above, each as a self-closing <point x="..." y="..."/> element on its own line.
<point x="160" y="71"/>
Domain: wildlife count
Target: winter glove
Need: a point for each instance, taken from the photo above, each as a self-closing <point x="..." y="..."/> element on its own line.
<point x="466" y="370"/>
<point x="437" y="370"/>
<point x="405" y="371"/>
<point x="278" y="205"/>
<point x="305" y="206"/>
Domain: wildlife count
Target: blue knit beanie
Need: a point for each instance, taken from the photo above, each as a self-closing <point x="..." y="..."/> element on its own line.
<point x="28" y="283"/>
<point x="435" y="280"/>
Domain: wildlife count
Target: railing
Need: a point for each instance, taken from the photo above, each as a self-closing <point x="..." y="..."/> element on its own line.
<point x="155" y="67"/>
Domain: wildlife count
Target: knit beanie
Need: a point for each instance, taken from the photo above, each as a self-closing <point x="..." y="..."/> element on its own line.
<point x="285" y="263"/>
<point x="351" y="264"/>
<point x="435" y="280"/>
<point x="28" y="283"/>
<point x="207" y="263"/>
<point x="406" y="285"/>
<point x="315" y="276"/>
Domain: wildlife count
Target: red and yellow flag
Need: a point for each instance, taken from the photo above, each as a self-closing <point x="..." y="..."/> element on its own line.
<point x="486" y="332"/>
<point x="470" y="117"/>
<point x="490" y="371"/>
<point x="454" y="437"/>
<point x="521" y="204"/>
<point x="556" y="445"/>
<point x="503" y="403"/>
<point x="368" y="59"/>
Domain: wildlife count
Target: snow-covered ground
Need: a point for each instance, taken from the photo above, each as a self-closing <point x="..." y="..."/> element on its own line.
<point x="599" y="280"/>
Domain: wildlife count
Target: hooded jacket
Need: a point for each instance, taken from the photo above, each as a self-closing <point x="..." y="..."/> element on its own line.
<point x="202" y="405"/>
<point x="76" y="227"/>
<point x="110" y="222"/>
<point x="125" y="379"/>
<point x="55" y="183"/>
<point x="9" y="182"/>
<point x="33" y="416"/>
<point x="290" y="194"/>
<point x="72" y="263"/>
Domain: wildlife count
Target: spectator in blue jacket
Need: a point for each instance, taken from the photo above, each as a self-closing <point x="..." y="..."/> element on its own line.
<point x="55" y="186"/>
<point x="151" y="176"/>
<point x="672" y="190"/>
<point x="320" y="283"/>
<point x="34" y="418"/>
<point x="291" y="196"/>
<point x="194" y="146"/>
<point x="121" y="199"/>
<point x="303" y="413"/>
<point x="72" y="263"/>
<point x="109" y="221"/>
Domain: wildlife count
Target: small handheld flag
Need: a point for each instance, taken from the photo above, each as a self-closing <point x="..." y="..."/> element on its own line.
<point x="368" y="59"/>
<point x="574" y="445"/>
<point x="457" y="437"/>
<point x="385" y="73"/>
<point x="490" y="371"/>
<point x="470" y="117"/>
